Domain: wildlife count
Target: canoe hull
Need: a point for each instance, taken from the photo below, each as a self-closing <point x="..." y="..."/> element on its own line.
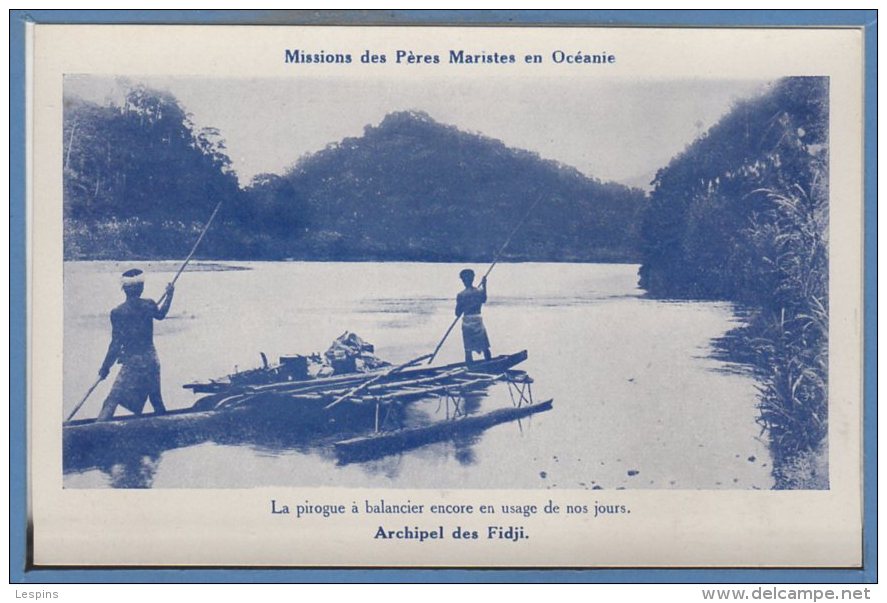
<point x="265" y="419"/>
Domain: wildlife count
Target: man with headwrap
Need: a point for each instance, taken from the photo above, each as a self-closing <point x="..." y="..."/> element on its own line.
<point x="132" y="345"/>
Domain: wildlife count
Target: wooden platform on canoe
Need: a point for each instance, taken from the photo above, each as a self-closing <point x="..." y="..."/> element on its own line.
<point x="383" y="386"/>
<point x="285" y="414"/>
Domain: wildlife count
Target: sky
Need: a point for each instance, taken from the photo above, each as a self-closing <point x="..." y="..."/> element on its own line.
<point x="612" y="129"/>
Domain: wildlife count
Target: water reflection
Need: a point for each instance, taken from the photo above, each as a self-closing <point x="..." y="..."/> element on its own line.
<point x="636" y="381"/>
<point x="133" y="471"/>
<point x="465" y="442"/>
<point x="464" y="449"/>
<point x="128" y="451"/>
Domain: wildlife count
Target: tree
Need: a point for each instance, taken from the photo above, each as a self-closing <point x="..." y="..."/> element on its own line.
<point x="139" y="173"/>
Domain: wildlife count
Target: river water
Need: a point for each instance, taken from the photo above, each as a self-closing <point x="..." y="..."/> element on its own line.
<point x="639" y="399"/>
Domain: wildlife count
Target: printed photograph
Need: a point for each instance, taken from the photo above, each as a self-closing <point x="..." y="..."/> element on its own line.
<point x="445" y="283"/>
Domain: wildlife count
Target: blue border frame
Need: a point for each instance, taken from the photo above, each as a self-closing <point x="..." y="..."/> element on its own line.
<point x="19" y="573"/>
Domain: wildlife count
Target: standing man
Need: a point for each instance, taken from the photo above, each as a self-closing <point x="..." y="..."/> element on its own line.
<point x="468" y="306"/>
<point x="132" y="345"/>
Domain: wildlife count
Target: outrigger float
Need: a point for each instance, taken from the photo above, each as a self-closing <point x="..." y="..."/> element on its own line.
<point x="281" y="403"/>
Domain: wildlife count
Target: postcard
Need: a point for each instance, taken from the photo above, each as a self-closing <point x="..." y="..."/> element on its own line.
<point x="445" y="296"/>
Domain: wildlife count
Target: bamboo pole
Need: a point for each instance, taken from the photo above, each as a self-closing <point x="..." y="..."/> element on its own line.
<point x="83" y="400"/>
<point x="369" y="382"/>
<point x="193" y="249"/>
<point x="160" y="301"/>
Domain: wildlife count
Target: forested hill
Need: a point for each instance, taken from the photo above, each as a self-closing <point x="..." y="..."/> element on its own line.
<point x="140" y="180"/>
<point x="411" y="188"/>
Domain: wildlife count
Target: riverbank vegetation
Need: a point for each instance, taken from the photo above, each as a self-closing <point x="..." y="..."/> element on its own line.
<point x="742" y="215"/>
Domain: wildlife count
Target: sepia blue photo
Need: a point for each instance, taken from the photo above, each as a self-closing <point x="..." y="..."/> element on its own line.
<point x="571" y="284"/>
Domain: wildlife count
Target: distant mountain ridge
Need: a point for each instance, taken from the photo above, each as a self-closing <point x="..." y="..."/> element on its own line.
<point x="414" y="189"/>
<point x="408" y="189"/>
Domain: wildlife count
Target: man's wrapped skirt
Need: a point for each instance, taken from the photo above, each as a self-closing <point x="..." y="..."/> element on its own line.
<point x="474" y="335"/>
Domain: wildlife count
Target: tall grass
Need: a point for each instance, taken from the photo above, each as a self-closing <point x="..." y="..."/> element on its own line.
<point x="742" y="215"/>
<point x="789" y="334"/>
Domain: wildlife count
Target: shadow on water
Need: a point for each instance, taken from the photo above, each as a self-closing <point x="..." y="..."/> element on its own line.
<point x="751" y="349"/>
<point x="464" y="442"/>
<point x="733" y="350"/>
<point x="462" y="432"/>
<point x="128" y="450"/>
<point x="736" y="352"/>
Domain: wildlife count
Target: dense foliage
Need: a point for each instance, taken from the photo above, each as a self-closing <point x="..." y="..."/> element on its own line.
<point x="414" y="189"/>
<point x="742" y="215"/>
<point x="140" y="179"/>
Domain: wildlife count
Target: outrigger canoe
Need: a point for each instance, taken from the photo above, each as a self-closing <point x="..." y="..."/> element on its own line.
<point x="296" y="413"/>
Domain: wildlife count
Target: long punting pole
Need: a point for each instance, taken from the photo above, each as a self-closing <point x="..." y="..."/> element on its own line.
<point x="193" y="249"/>
<point x="83" y="400"/>
<point x="486" y="274"/>
<point x="160" y="301"/>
